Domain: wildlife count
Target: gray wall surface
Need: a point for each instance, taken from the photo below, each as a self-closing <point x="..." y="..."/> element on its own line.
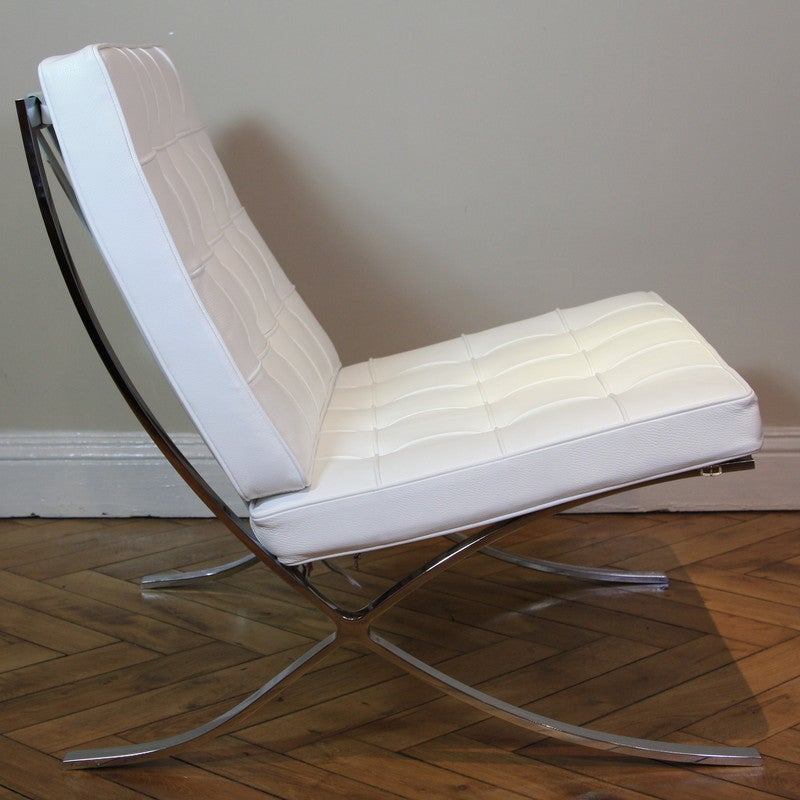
<point x="427" y="167"/>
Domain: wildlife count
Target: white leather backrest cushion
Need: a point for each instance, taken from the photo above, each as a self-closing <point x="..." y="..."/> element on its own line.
<point x="245" y="355"/>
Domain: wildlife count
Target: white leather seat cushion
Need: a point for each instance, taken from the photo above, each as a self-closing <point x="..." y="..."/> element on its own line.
<point x="520" y="417"/>
<point x="468" y="431"/>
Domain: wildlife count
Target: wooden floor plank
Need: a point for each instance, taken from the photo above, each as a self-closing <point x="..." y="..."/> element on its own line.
<point x="779" y="706"/>
<point x="444" y="715"/>
<point x="785" y="571"/>
<point x="728" y="602"/>
<point x="784" y="746"/>
<point x="40" y="777"/>
<point x="86" y="660"/>
<point x="438" y="717"/>
<point x="568" y="603"/>
<point x="46" y="538"/>
<point x="71" y="669"/>
<point x="749" y="586"/>
<point x="199" y="680"/>
<point x="48" y="553"/>
<point x="172" y="780"/>
<point x="249" y="677"/>
<point x="526" y="623"/>
<point x="106" y="619"/>
<point x="339" y="715"/>
<point x="47" y="630"/>
<point x="180" y="610"/>
<point x="216" y="547"/>
<point x="89" y="707"/>
<point x="79" y="552"/>
<point x="698" y="698"/>
<point x="288" y="777"/>
<point x="17" y="655"/>
<point x="662" y="781"/>
<point x="713" y="542"/>
<point x="774" y="549"/>
<point x="644" y="678"/>
<point x="682" y="605"/>
<point x="10" y="794"/>
<point x="659" y="536"/>
<point x="384" y="769"/>
<point x="514" y="772"/>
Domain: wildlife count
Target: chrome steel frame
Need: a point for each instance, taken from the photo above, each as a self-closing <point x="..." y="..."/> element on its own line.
<point x="353" y="628"/>
<point x="174" y="580"/>
<point x="599" y="574"/>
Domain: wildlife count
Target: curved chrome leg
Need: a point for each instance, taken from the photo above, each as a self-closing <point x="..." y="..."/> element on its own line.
<point x="167" y="580"/>
<point x="126" y="754"/>
<point x="622" y="745"/>
<point x="353" y="628"/>
<point x="601" y="574"/>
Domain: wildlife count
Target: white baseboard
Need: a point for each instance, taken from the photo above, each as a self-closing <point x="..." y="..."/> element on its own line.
<point x="71" y="474"/>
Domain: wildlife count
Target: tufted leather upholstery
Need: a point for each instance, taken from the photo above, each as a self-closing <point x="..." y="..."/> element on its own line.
<point x="334" y="460"/>
<point x="520" y="417"/>
<point x="248" y="359"/>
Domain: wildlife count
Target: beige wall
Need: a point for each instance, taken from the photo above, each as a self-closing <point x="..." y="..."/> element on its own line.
<point x="423" y="167"/>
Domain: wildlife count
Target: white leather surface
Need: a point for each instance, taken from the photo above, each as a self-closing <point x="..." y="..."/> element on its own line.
<point x="246" y="356"/>
<point x="512" y="419"/>
<point x="477" y="429"/>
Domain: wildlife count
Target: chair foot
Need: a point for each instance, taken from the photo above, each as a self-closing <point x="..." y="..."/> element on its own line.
<point x="176" y="580"/>
<point x="621" y="745"/>
<point x="598" y="574"/>
<point x="127" y="754"/>
<point x="168" y="580"/>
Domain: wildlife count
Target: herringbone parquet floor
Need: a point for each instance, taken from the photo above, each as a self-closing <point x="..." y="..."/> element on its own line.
<point x="85" y="658"/>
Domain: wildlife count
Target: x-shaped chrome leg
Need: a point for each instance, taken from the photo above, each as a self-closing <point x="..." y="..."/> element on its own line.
<point x="354" y="629"/>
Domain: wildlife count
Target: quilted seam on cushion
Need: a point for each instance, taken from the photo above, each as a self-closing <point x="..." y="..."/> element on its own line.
<point x="508" y="420"/>
<point x="281" y="351"/>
